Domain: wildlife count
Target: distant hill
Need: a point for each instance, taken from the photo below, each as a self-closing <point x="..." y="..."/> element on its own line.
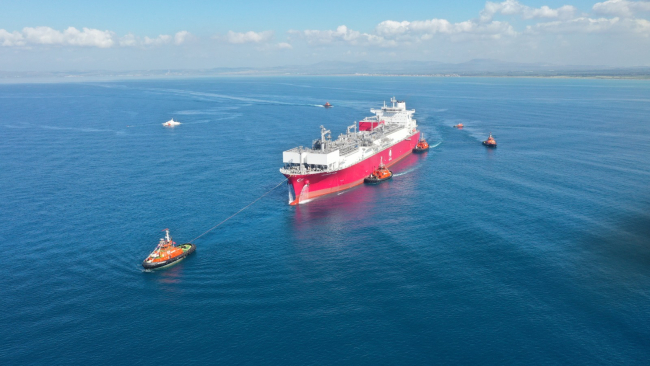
<point x="476" y="67"/>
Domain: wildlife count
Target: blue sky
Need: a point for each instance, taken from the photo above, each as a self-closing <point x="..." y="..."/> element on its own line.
<point x="123" y="35"/>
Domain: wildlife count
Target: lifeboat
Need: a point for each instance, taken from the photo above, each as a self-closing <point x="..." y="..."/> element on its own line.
<point x="327" y="105"/>
<point x="422" y="145"/>
<point x="167" y="253"/>
<point x="459" y="126"/>
<point x="171" y="123"/>
<point x="379" y="175"/>
<point x="490" y="142"/>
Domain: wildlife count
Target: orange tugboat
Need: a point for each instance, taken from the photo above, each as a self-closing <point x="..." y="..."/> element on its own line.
<point x="379" y="175"/>
<point x="490" y="142"/>
<point x="167" y="253"/>
<point x="327" y="105"/>
<point x="459" y="126"/>
<point x="422" y="145"/>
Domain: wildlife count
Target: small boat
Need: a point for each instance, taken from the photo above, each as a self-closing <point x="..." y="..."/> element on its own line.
<point x="379" y="175"/>
<point x="459" y="126"/>
<point x="327" y="105"/>
<point x="422" y="145"/>
<point x="167" y="253"/>
<point x="171" y="123"/>
<point x="490" y="142"/>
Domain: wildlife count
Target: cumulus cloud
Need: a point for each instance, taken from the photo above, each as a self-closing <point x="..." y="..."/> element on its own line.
<point x="71" y="37"/>
<point x="86" y="37"/>
<point x="341" y="34"/>
<point x="513" y="7"/>
<point x="181" y="37"/>
<point x="558" y="20"/>
<point x="160" y="40"/>
<point x="249" y="37"/>
<point x="128" y="41"/>
<point x="590" y="25"/>
<point x="428" y="28"/>
<point x="622" y="8"/>
<point x="11" y="39"/>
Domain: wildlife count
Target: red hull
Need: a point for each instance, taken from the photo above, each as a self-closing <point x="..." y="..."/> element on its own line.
<point x="309" y="186"/>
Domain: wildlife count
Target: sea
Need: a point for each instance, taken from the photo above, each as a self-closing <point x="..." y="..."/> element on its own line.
<point x="536" y="252"/>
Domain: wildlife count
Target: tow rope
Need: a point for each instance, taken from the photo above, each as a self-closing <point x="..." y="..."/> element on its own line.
<point x="236" y="213"/>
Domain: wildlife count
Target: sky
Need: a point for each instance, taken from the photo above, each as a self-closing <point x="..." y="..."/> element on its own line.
<point x="156" y="35"/>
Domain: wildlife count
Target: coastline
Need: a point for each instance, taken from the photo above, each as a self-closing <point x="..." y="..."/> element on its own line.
<point x="20" y="78"/>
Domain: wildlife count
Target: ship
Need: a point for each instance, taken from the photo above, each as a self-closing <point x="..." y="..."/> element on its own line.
<point x="490" y="142"/>
<point x="330" y="166"/>
<point x="167" y="253"/>
<point x="422" y="145"/>
<point x="381" y="174"/>
<point x="171" y="123"/>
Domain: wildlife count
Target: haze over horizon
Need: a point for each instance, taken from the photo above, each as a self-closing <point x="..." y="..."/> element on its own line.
<point x="43" y="36"/>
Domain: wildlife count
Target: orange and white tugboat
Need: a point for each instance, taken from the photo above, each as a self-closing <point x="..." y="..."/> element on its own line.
<point x="327" y="105"/>
<point x="459" y="126"/>
<point x="167" y="253"/>
<point x="422" y="145"/>
<point x="490" y="142"/>
<point x="379" y="175"/>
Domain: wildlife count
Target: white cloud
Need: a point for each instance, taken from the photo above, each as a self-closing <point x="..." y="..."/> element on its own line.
<point x="284" y="46"/>
<point x="160" y="40"/>
<point x="426" y="29"/>
<point x="589" y="25"/>
<point x="564" y="20"/>
<point x="182" y="37"/>
<point x="622" y="8"/>
<point x="128" y="41"/>
<point x="342" y="34"/>
<point x="513" y="7"/>
<point x="71" y="36"/>
<point x="11" y="39"/>
<point x="249" y="37"/>
<point x="86" y="37"/>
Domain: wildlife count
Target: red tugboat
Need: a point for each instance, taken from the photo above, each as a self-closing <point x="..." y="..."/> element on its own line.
<point x="327" y="105"/>
<point x="379" y="175"/>
<point x="490" y="142"/>
<point x="167" y="253"/>
<point x="422" y="145"/>
<point x="459" y="126"/>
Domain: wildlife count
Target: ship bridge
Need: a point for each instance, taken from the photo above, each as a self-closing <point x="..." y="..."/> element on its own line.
<point x="396" y="113"/>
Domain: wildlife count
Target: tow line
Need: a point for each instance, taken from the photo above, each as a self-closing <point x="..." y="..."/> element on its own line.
<point x="236" y="213"/>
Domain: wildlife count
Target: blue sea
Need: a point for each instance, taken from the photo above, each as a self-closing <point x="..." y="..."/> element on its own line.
<point x="537" y="252"/>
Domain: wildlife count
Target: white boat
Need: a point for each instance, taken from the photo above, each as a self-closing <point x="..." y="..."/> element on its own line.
<point x="171" y="123"/>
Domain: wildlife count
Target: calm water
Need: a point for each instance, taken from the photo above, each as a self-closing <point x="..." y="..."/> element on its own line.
<point x="537" y="252"/>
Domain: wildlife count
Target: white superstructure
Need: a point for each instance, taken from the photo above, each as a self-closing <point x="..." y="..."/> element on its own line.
<point x="389" y="126"/>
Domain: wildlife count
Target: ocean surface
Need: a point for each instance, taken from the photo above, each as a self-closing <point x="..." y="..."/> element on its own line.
<point x="537" y="252"/>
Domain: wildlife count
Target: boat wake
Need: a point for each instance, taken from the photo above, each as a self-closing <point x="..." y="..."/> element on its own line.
<point x="406" y="171"/>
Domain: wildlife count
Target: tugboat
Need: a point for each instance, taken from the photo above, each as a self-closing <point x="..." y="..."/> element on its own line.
<point x="459" y="126"/>
<point x="490" y="142"/>
<point x="167" y="253"/>
<point x="327" y="105"/>
<point x="171" y="123"/>
<point x="379" y="175"/>
<point x="422" y="145"/>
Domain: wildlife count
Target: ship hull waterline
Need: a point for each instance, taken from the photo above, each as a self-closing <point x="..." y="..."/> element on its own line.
<point x="309" y="186"/>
